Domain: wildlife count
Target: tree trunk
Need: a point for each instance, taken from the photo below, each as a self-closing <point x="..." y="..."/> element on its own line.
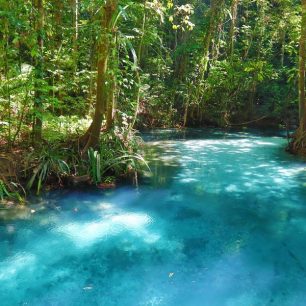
<point x="58" y="23"/>
<point x="185" y="118"/>
<point x="298" y="145"/>
<point x="39" y="73"/>
<point x="259" y="54"/>
<point x="111" y="103"/>
<point x="139" y="58"/>
<point x="232" y="30"/>
<point x="215" y="48"/>
<point x="91" y="137"/>
<point x="302" y="61"/>
<point x="75" y="12"/>
<point x="179" y="70"/>
<point x="6" y="73"/>
<point x="216" y="7"/>
<point x="283" y="42"/>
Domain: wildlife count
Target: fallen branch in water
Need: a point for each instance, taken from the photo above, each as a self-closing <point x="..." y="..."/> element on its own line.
<point x="244" y="123"/>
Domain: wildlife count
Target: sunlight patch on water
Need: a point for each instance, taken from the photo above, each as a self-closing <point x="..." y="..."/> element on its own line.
<point x="11" y="267"/>
<point x="232" y="188"/>
<point x="85" y="234"/>
<point x="188" y="180"/>
<point x="265" y="143"/>
<point x="290" y="172"/>
<point x="103" y="206"/>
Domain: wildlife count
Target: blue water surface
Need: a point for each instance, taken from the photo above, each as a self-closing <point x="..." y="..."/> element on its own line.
<point x="219" y="220"/>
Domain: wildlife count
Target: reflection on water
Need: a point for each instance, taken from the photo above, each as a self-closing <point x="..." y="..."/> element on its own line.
<point x="221" y="220"/>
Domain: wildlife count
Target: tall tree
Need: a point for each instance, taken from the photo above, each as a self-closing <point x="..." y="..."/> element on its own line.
<point x="302" y="62"/>
<point x="139" y="58"/>
<point x="91" y="137"/>
<point x="75" y="12"/>
<point x="216" y="6"/>
<point x="299" y="143"/>
<point x="232" y="30"/>
<point x="39" y="69"/>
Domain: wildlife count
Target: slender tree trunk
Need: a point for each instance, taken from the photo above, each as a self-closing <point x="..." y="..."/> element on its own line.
<point x="215" y="9"/>
<point x="7" y="87"/>
<point x="250" y="111"/>
<point x="232" y="30"/>
<point x="92" y="59"/>
<point x="111" y="98"/>
<point x="75" y="12"/>
<point x="283" y="42"/>
<point x="91" y="137"/>
<point x="111" y="104"/>
<point x="207" y="40"/>
<point x="215" y="49"/>
<point x="39" y="71"/>
<point x="186" y="111"/>
<point x="139" y="58"/>
<point x="302" y="61"/>
<point x="298" y="145"/>
<point x="179" y="71"/>
<point x="249" y="36"/>
<point x="261" y="30"/>
<point x="58" y="10"/>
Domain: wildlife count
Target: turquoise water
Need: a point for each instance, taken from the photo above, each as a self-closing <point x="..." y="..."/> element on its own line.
<point x="221" y="220"/>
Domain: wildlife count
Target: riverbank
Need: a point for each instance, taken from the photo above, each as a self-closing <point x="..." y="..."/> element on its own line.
<point x="120" y="158"/>
<point x="57" y="164"/>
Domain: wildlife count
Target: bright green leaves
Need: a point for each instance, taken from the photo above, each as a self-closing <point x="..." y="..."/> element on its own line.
<point x="181" y="17"/>
<point x="94" y="160"/>
<point x="43" y="163"/>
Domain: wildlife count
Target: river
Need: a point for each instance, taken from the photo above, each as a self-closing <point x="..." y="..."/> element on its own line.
<point x="219" y="220"/>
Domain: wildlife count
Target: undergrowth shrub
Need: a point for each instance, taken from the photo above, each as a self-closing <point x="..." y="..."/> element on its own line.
<point x="11" y="190"/>
<point x="40" y="165"/>
<point x="118" y="155"/>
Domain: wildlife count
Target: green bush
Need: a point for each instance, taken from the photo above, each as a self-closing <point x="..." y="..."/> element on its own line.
<point x="41" y="165"/>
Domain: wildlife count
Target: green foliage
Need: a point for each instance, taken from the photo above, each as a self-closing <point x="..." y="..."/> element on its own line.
<point x="148" y="59"/>
<point x="118" y="154"/>
<point x="94" y="159"/>
<point x="169" y="64"/>
<point x="41" y="165"/>
<point x="8" y="191"/>
<point x="3" y="191"/>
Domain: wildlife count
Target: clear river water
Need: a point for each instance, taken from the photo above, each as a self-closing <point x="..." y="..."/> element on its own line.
<point x="219" y="220"/>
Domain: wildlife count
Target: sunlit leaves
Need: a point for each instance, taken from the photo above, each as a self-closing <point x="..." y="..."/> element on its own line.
<point x="181" y="17"/>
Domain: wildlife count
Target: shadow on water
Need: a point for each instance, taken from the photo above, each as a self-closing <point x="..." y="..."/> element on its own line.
<point x="208" y="133"/>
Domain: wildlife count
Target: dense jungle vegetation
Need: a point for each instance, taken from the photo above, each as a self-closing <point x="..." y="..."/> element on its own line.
<point x="78" y="78"/>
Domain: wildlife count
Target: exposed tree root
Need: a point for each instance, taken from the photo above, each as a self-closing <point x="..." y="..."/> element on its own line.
<point x="298" y="143"/>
